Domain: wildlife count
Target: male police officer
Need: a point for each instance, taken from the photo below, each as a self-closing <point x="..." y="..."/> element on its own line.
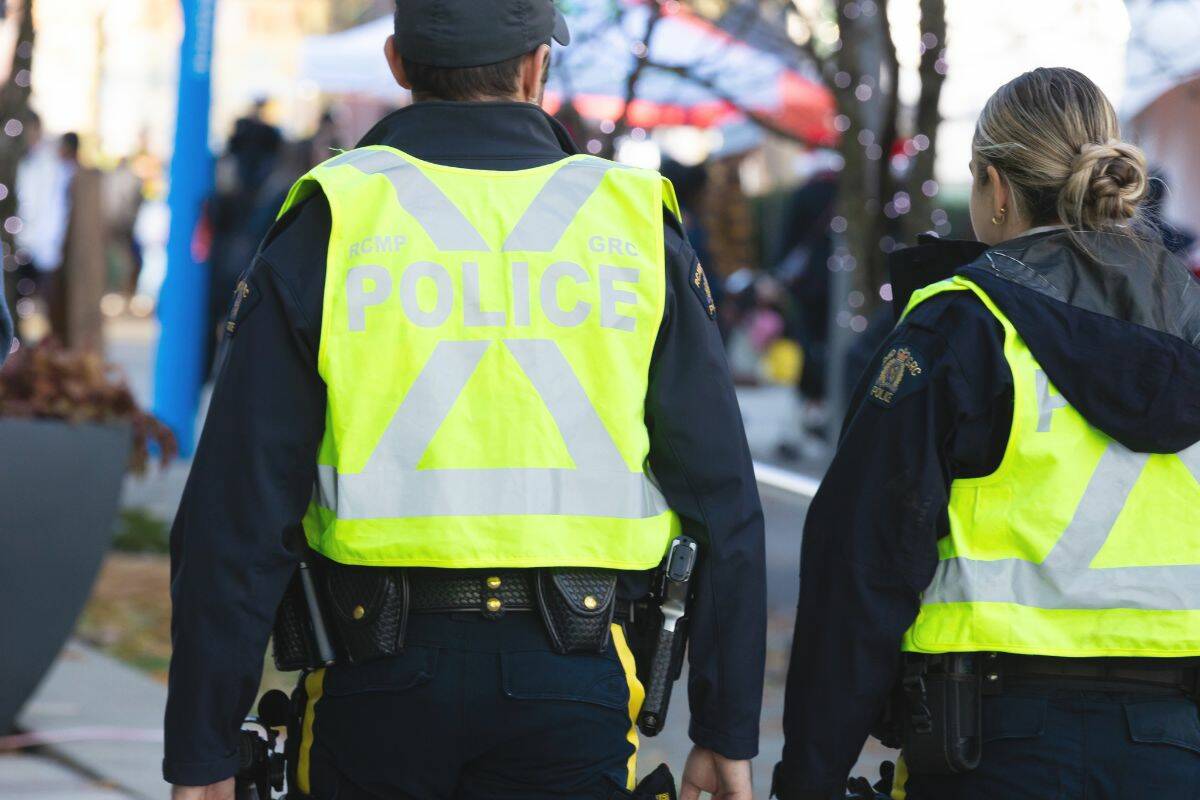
<point x="488" y="355"/>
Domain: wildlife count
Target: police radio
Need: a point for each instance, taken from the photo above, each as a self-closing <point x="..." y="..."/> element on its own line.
<point x="260" y="764"/>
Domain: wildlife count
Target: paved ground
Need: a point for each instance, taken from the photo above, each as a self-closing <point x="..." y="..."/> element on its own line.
<point x="43" y="778"/>
<point x="89" y="690"/>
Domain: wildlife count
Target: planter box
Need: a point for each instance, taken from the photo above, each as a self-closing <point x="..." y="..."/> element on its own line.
<point x="59" y="489"/>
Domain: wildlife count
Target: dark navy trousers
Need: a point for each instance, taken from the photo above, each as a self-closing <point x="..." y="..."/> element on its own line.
<point x="473" y="709"/>
<point x="1053" y="743"/>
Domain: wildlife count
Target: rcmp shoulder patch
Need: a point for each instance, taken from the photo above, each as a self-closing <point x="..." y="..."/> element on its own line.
<point x="703" y="290"/>
<point x="899" y="374"/>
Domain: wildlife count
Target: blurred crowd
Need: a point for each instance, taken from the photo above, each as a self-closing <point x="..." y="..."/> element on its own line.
<point x="85" y="235"/>
<point x="253" y="177"/>
<point x="75" y="238"/>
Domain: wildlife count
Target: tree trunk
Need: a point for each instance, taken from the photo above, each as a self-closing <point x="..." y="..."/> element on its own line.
<point x="14" y="105"/>
<point x="922" y="187"/>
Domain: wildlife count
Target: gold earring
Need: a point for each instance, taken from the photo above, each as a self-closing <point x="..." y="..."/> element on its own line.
<point x="998" y="219"/>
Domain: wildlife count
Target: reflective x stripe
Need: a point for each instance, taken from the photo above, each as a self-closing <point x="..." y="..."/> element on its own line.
<point x="555" y="207"/>
<point x="420" y="197"/>
<point x="1047" y="402"/>
<point x="391" y="486"/>
<point x="539" y="230"/>
<point x="1065" y="578"/>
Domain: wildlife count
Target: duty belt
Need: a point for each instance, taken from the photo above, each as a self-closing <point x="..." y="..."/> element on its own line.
<point x="1104" y="674"/>
<point x="490" y="592"/>
<point x="369" y="606"/>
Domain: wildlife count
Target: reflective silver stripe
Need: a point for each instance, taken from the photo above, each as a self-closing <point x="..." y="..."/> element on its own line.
<point x="444" y="302"/>
<point x="1065" y="579"/>
<point x="420" y="197"/>
<point x="391" y="486"/>
<point x="1161" y="588"/>
<point x="357" y="296"/>
<point x="474" y="315"/>
<point x="563" y="317"/>
<point x="1047" y="402"/>
<point x="1112" y="480"/>
<point x="426" y="406"/>
<point x="588" y="441"/>
<point x="557" y="204"/>
<point x="610" y="295"/>
<point x="489" y="492"/>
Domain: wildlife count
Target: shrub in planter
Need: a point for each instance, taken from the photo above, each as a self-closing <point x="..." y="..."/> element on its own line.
<point x="69" y="431"/>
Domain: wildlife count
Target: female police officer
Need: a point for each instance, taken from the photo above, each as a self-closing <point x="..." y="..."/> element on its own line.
<point x="1016" y="497"/>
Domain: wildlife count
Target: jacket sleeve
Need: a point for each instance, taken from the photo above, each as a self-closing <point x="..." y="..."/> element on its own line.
<point x="870" y="538"/>
<point x="699" y="455"/>
<point x="237" y="533"/>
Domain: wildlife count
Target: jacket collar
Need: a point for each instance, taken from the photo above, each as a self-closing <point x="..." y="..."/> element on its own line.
<point x="519" y="135"/>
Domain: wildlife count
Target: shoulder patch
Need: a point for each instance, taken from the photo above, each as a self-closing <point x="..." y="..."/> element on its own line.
<point x="703" y="291"/>
<point x="900" y="373"/>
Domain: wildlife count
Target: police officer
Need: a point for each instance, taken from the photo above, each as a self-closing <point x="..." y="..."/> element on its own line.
<point x="474" y="371"/>
<point x="1017" y="484"/>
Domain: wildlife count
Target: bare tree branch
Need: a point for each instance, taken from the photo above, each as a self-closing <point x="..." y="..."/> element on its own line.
<point x="757" y="117"/>
<point x="639" y="66"/>
<point x="928" y="116"/>
<point x="14" y="104"/>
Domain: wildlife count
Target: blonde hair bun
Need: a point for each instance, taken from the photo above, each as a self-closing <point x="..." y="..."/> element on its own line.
<point x="1106" y="184"/>
<point x="1054" y="137"/>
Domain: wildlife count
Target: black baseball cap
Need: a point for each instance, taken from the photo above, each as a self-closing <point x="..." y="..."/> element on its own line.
<point x="473" y="33"/>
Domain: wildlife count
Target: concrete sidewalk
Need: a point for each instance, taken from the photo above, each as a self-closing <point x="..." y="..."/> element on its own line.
<point x="104" y="719"/>
<point x="35" y="777"/>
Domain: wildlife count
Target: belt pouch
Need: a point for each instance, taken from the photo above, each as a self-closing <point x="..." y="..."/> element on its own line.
<point x="370" y="609"/>
<point x="577" y="607"/>
<point x="293" y="644"/>
<point x="942" y="725"/>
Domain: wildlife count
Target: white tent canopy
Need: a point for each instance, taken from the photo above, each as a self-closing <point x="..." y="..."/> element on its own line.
<point x="352" y="62"/>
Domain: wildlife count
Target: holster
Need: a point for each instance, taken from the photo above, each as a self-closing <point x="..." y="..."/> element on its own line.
<point x="940" y="718"/>
<point x="577" y="606"/>
<point x="369" y="607"/>
<point x="293" y="643"/>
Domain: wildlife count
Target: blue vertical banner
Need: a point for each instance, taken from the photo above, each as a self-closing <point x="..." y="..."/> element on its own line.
<point x="180" y="367"/>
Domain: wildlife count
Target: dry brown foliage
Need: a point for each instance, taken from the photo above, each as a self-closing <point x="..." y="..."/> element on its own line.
<point x="51" y="383"/>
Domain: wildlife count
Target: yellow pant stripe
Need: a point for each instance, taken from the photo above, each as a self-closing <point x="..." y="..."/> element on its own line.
<point x="899" y="792"/>
<point x="314" y="686"/>
<point x="636" y="695"/>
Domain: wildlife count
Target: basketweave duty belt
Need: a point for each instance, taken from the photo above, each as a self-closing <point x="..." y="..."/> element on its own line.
<point x="490" y="591"/>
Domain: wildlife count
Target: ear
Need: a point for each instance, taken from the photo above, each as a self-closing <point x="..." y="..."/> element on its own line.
<point x="395" y="63"/>
<point x="533" y="70"/>
<point x="999" y="190"/>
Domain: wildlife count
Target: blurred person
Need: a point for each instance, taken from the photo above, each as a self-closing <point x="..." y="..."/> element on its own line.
<point x="82" y="280"/>
<point x="803" y="265"/>
<point x="232" y="225"/>
<point x="542" y="334"/>
<point x="122" y="191"/>
<point x="254" y="145"/>
<point x="1176" y="239"/>
<point x="43" y="185"/>
<point x="326" y="141"/>
<point x="1004" y="550"/>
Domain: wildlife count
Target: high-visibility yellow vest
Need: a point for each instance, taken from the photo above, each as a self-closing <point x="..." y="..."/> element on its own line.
<point x="1074" y="546"/>
<point x="486" y="346"/>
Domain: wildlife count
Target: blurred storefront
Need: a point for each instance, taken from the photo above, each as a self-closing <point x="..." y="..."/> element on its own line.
<point x="107" y="68"/>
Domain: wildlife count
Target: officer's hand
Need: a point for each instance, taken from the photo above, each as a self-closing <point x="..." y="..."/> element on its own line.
<point x="724" y="778"/>
<point x="217" y="791"/>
